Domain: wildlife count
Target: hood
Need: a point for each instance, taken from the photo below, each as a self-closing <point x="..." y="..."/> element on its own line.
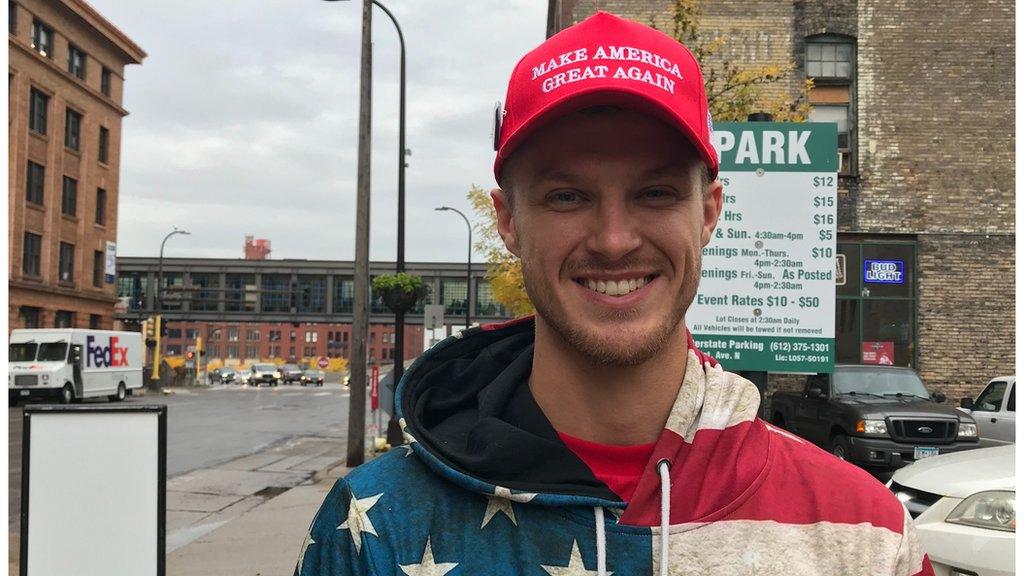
<point x="961" y="474"/>
<point x="899" y="407"/>
<point x="468" y="413"/>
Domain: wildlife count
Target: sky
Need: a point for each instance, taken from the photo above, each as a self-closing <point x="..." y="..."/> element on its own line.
<point x="243" y="119"/>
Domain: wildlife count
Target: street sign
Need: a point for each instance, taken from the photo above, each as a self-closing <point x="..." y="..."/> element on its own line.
<point x="374" y="387"/>
<point x="433" y="316"/>
<point x="323" y="362"/>
<point x="767" y="291"/>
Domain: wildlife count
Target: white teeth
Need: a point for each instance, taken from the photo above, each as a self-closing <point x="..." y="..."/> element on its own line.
<point x="616" y="288"/>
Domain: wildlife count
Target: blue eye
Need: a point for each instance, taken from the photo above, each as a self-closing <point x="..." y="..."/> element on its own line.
<point x="565" y="197"/>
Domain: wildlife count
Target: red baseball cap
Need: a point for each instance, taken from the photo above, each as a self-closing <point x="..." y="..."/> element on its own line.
<point x="606" y="61"/>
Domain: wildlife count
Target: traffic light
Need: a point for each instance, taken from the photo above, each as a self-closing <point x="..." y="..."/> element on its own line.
<point x="164" y="326"/>
<point x="149" y="327"/>
<point x="190" y="355"/>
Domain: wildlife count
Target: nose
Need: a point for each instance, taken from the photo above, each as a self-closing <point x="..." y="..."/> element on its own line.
<point x="615" y="231"/>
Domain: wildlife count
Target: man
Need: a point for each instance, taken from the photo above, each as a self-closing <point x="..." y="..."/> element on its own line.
<point x="595" y="438"/>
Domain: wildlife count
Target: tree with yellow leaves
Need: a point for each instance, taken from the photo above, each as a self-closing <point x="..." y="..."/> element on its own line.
<point x="733" y="93"/>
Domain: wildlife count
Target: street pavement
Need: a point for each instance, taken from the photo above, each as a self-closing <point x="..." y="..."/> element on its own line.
<point x="230" y="449"/>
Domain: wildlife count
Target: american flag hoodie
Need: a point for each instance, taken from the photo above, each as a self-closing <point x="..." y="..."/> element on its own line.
<point x="486" y="487"/>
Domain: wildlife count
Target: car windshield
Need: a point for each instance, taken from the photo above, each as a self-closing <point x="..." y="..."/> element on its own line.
<point x="265" y="367"/>
<point x="227" y="371"/>
<point x="290" y="367"/>
<point x="22" y="352"/>
<point x="53" y="351"/>
<point x="879" y="382"/>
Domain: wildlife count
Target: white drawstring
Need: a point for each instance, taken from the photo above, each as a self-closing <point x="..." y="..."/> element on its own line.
<point x="599" y="521"/>
<point x="666" y="491"/>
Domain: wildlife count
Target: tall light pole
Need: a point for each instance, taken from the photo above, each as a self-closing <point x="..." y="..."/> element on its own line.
<point x="361" y="282"/>
<point x="160" y="269"/>
<point x="160" y="300"/>
<point x="394" y="432"/>
<point x="469" y="256"/>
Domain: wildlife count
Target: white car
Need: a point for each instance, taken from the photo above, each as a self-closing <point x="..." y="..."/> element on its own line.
<point x="963" y="505"/>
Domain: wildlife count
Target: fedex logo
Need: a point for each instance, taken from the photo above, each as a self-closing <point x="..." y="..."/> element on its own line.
<point x="105" y="356"/>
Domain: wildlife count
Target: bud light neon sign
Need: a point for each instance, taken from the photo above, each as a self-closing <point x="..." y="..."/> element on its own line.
<point x="883" y="271"/>
<point x="105" y="356"/>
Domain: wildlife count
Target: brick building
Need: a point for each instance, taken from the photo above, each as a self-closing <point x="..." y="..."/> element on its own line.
<point x="66" y="83"/>
<point x="247" y="310"/>
<point x="923" y="96"/>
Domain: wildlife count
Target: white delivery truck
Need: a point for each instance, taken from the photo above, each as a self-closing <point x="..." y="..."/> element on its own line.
<point x="73" y="363"/>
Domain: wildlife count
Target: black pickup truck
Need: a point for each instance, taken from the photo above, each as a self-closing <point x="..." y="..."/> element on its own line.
<point x="873" y="416"/>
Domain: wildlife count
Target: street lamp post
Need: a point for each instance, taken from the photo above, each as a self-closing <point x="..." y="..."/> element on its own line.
<point x="469" y="256"/>
<point x="160" y="270"/>
<point x="160" y="301"/>
<point x="394" y="431"/>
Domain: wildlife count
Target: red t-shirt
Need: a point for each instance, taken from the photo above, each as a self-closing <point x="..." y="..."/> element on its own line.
<point x="619" y="467"/>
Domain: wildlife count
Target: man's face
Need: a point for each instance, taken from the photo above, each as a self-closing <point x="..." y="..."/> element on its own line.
<point x="609" y="220"/>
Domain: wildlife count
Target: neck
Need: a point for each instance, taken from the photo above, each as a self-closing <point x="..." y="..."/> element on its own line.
<point x="619" y="405"/>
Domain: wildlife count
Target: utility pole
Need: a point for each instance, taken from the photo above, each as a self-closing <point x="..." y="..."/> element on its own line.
<point x="361" y="282"/>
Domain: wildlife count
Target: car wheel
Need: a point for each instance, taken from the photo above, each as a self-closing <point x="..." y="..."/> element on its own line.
<point x="122" y="393"/>
<point x="67" y="394"/>
<point x="841" y="447"/>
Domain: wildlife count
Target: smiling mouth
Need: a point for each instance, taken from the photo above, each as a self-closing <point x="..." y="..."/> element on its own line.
<point x="616" y="287"/>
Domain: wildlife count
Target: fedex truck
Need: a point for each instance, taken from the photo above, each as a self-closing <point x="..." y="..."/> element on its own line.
<point x="73" y="363"/>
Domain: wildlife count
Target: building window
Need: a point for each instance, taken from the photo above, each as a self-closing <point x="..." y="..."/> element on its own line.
<point x="312" y="292"/>
<point x="252" y="352"/>
<point x="12" y="17"/>
<point x="213" y="334"/>
<point x="232" y="350"/>
<point x="206" y="298"/>
<point x="486" y="305"/>
<point x="343" y="295"/>
<point x="64" y="319"/>
<point x="453" y="296"/>
<point x="101" y="206"/>
<point x="105" y="81"/>
<point x="34" y="181"/>
<point x="274" y="336"/>
<point x="275" y="293"/>
<point x="76" y="62"/>
<point x="94" y="321"/>
<point x="72" y="129"/>
<point x="830" y="60"/>
<point x="31" y="254"/>
<point x="37" y="105"/>
<point x="98" y="268"/>
<point x="67" y="263"/>
<point x="69" y="197"/>
<point x="29" y="316"/>
<point x="232" y="334"/>
<point x="876" y="315"/>
<point x="252" y="335"/>
<point x="104" y="142"/>
<point x="42" y="38"/>
<point x="213" y="351"/>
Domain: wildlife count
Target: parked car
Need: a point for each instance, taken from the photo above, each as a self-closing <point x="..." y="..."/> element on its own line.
<point x="291" y="373"/>
<point x="227" y="376"/>
<point x="313" y="377"/>
<point x="963" y="506"/>
<point x="995" y="410"/>
<point x="243" y="376"/>
<point x="874" y="416"/>
<point x="264" y="374"/>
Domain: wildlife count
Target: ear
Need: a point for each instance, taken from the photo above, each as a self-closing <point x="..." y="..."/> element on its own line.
<point x="505" y="223"/>
<point x="712" y="208"/>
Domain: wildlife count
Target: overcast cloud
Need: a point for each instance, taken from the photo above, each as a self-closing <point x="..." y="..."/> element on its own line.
<point x="244" y="120"/>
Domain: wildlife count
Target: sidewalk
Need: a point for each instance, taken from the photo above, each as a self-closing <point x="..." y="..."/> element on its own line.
<point x="248" y="517"/>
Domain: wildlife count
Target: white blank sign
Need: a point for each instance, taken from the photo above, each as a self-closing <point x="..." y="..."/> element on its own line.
<point x="94" y="492"/>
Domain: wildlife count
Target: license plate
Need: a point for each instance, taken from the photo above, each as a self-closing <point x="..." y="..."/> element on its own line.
<point x="924" y="452"/>
<point x="23" y="392"/>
